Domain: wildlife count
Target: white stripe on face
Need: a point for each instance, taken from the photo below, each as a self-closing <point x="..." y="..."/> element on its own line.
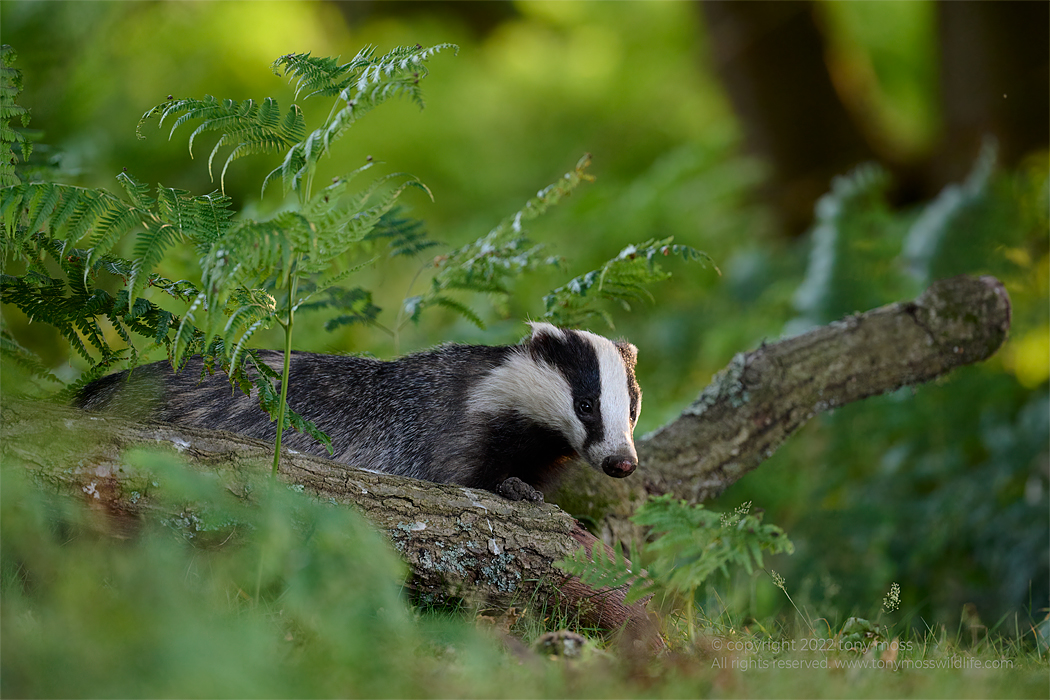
<point x="532" y="388"/>
<point x="615" y="402"/>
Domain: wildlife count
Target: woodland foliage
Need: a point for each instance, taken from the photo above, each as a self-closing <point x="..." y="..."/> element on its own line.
<point x="921" y="487"/>
<point x="257" y="274"/>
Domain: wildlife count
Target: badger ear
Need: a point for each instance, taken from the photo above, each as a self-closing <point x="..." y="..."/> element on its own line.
<point x="540" y="328"/>
<point x="628" y="352"/>
<point x="543" y="343"/>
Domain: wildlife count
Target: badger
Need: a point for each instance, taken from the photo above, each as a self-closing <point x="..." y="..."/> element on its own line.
<point x="508" y="419"/>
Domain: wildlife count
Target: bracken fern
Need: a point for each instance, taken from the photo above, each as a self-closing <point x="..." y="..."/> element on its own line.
<point x="257" y="274"/>
<point x="687" y="544"/>
<point x="622" y="280"/>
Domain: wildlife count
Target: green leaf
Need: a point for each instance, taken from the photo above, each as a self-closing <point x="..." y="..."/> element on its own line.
<point x="247" y="127"/>
<point x="110" y="228"/>
<point x="359" y="86"/>
<point x="203" y="219"/>
<point x="598" y="569"/>
<point x="25" y="358"/>
<point x="622" y="280"/>
<point x="490" y="264"/>
<point x="405" y="236"/>
<point x="10" y="88"/>
<point x="150" y="246"/>
<point x="462" y="309"/>
<point x="138" y="192"/>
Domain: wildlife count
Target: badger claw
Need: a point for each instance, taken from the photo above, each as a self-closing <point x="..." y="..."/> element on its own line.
<point x="514" y="489"/>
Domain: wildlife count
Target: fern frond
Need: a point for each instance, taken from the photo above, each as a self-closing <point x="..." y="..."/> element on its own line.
<point x="23" y="357"/>
<point x="251" y="251"/>
<point x="691" y="543"/>
<point x="182" y="290"/>
<point x="248" y="311"/>
<point x="12" y="141"/>
<point x="245" y="258"/>
<point x="460" y="308"/>
<point x="491" y="263"/>
<point x="356" y="304"/>
<point x="61" y="211"/>
<point x="599" y="570"/>
<point x="90" y="207"/>
<point x="340" y="219"/>
<point x="622" y="280"/>
<point x="203" y="219"/>
<point x="64" y="212"/>
<point x="839" y="262"/>
<point x="41" y="205"/>
<point x="43" y="300"/>
<point x="937" y="235"/>
<point x="331" y="280"/>
<point x="10" y="208"/>
<point x="248" y="127"/>
<point x="405" y="236"/>
<point x="68" y="214"/>
<point x="187" y="335"/>
<point x="327" y="77"/>
<point x="73" y="307"/>
<point x="309" y="288"/>
<point x="320" y="76"/>
<point x="113" y="226"/>
<point x="246" y="335"/>
<point x="84" y="309"/>
<point x="505" y="248"/>
<point x="150" y="246"/>
<point x="96" y="371"/>
<point x="254" y="372"/>
<point x="163" y="323"/>
<point x="115" y="320"/>
<point x="361" y="85"/>
<point x="138" y="192"/>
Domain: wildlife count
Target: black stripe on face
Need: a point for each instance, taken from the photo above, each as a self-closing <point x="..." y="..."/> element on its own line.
<point x="573" y="356"/>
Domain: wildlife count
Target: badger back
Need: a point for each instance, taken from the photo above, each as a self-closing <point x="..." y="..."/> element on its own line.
<point x="576" y="384"/>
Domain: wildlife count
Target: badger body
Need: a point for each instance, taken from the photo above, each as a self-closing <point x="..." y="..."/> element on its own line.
<point x="464" y="414"/>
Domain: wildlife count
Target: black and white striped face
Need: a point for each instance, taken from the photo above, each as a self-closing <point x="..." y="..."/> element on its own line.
<point x="578" y="384"/>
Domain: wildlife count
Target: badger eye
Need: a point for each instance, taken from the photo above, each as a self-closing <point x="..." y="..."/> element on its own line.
<point x="585" y="407"/>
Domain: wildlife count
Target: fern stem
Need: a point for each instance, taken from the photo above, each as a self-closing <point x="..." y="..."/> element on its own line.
<point x="690" y="615"/>
<point x="400" y="321"/>
<point x="293" y="278"/>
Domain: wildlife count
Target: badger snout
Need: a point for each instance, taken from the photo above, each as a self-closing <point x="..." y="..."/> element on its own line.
<point x="619" y="466"/>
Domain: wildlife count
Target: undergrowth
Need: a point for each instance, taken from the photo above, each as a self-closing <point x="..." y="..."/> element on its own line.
<point x="185" y="608"/>
<point x="271" y="593"/>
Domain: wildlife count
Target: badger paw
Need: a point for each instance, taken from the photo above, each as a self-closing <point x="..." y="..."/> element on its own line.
<point x="514" y="489"/>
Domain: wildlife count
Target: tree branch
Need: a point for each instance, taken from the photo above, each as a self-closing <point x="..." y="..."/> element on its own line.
<point x="765" y="395"/>
<point x="752" y="406"/>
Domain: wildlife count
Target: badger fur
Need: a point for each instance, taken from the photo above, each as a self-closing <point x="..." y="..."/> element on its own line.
<point x="496" y="418"/>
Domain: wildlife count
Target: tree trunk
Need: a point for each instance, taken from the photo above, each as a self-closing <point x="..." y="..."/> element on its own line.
<point x="770" y="59"/>
<point x="464" y="543"/>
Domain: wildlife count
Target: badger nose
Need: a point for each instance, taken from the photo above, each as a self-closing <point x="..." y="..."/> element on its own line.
<point x="619" y="466"/>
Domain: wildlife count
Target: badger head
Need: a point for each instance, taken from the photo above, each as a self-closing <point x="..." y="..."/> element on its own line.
<point x="578" y="385"/>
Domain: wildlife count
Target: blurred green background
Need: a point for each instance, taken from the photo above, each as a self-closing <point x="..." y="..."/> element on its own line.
<point x="721" y="124"/>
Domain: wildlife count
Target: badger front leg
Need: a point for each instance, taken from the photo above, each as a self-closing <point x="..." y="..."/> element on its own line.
<point x="514" y="489"/>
